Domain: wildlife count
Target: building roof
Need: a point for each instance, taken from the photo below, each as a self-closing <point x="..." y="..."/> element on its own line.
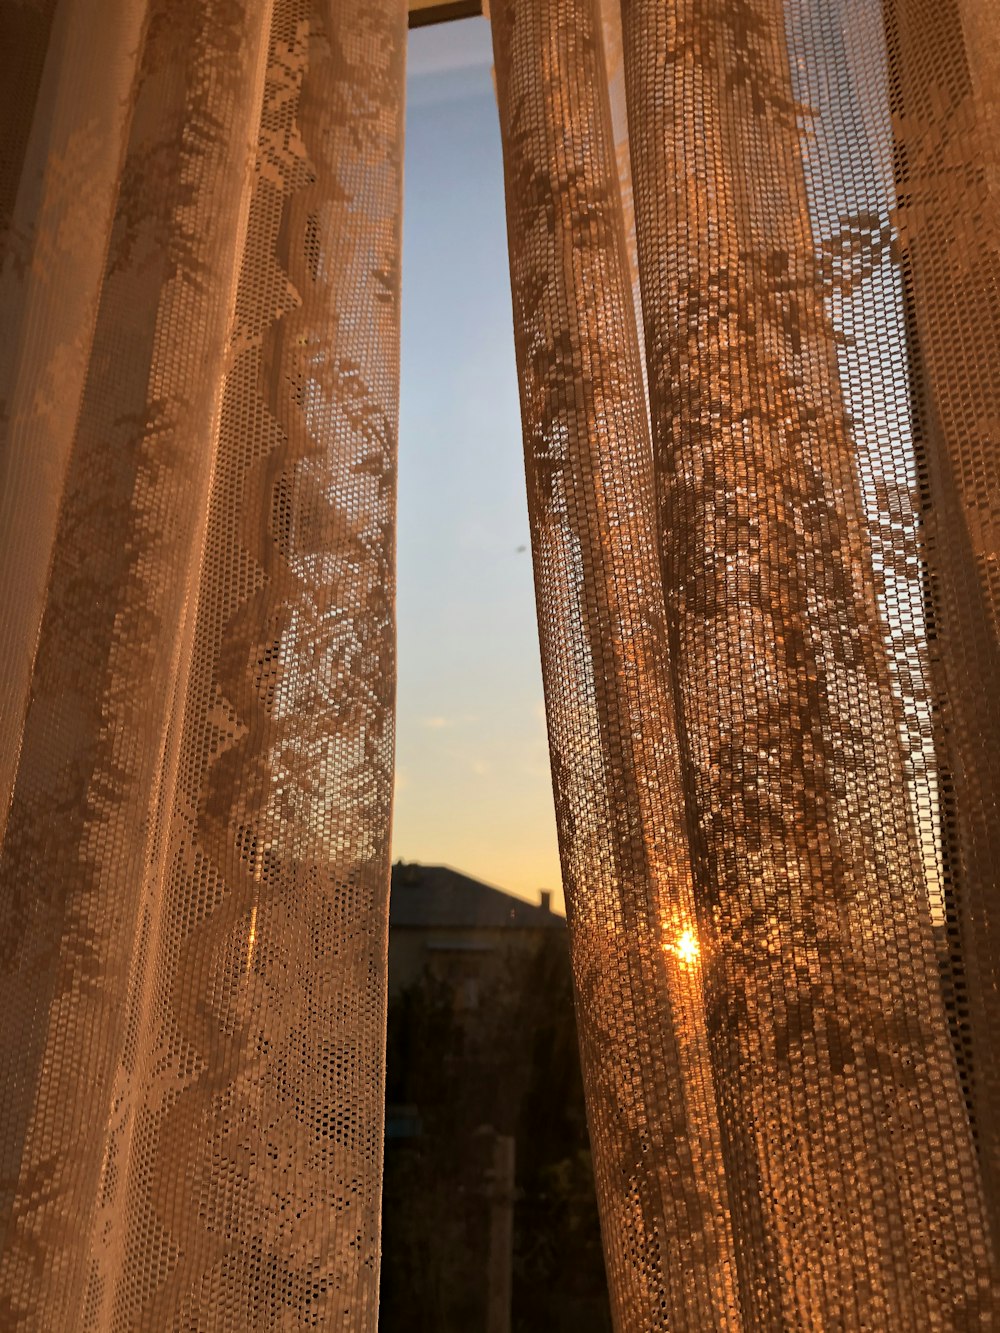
<point x="438" y="896"/>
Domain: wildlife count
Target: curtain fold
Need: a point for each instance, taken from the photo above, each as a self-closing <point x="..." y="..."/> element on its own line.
<point x="752" y="737"/>
<point x="764" y="507"/>
<point x="194" y="873"/>
<point x="945" y="159"/>
<point x="66" y="116"/>
<point x="626" y="868"/>
<point x="805" y="850"/>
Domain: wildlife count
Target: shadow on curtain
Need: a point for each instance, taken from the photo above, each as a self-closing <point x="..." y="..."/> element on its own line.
<point x="754" y="267"/>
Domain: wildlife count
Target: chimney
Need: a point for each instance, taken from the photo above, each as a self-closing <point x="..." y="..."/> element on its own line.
<point x="545" y="900"/>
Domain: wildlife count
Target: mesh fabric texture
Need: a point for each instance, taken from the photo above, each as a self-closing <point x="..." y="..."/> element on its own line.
<point x="194" y="876"/>
<point x="754" y="264"/>
<point x="740" y="616"/>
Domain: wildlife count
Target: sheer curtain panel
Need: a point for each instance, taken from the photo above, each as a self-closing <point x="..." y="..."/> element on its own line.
<point x="199" y="371"/>
<point x="768" y="625"/>
<point x="755" y="274"/>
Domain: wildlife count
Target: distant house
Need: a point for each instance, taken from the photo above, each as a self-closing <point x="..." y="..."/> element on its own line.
<point x="488" y="1178"/>
<point x="457" y="929"/>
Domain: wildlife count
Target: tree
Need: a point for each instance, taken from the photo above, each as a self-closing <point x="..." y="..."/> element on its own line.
<point x="510" y="1064"/>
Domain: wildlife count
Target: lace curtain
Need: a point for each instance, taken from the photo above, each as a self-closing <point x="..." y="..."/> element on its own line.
<point x="200" y="371"/>
<point x="754" y="266"/>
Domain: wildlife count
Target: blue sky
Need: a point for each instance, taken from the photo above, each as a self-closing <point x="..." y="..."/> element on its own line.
<point x="472" y="776"/>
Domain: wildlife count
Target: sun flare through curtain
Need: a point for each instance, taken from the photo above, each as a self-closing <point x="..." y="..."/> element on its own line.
<point x="754" y="263"/>
<point x="755" y="271"/>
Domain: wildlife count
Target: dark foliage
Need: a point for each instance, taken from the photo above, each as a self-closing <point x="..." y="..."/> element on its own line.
<point x="508" y="1065"/>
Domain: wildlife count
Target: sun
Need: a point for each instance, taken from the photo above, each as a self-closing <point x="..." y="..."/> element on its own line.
<point x="685" y="946"/>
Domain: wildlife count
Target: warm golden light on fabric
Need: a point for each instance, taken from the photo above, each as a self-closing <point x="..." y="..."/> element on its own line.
<point x="685" y="947"/>
<point x="251" y="936"/>
<point x="765" y="527"/>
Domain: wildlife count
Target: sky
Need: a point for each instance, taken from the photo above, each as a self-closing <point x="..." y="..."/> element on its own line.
<point x="472" y="779"/>
<point x="472" y="772"/>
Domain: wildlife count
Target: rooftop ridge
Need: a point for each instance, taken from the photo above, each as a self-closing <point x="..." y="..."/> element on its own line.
<point x="440" y="896"/>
